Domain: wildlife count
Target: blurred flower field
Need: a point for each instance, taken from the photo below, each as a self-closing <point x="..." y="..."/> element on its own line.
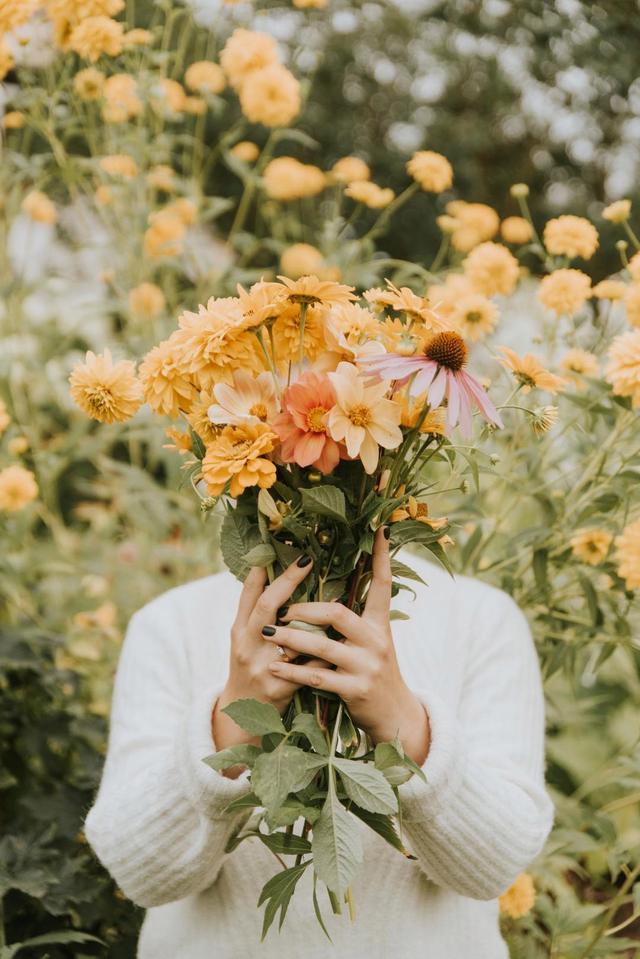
<point x="148" y="165"/>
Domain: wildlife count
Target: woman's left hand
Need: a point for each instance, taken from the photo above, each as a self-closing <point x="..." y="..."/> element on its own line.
<point x="367" y="675"/>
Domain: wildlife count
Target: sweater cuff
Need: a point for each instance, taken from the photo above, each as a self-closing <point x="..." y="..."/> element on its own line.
<point x="443" y="766"/>
<point x="207" y="789"/>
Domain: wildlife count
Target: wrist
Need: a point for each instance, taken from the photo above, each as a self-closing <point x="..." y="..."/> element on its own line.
<point x="410" y="723"/>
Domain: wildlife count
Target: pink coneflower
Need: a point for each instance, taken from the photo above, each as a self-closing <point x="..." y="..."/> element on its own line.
<point x="302" y="425"/>
<point x="439" y="371"/>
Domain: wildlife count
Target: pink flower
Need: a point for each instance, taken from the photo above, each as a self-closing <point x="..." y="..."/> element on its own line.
<point x="439" y="371"/>
<point x="302" y="425"/>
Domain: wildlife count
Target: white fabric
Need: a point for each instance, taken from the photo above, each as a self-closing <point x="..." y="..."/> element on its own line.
<point x="479" y="820"/>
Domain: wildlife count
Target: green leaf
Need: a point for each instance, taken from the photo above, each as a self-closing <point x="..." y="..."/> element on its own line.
<point x="290" y="811"/>
<point x="402" y="571"/>
<point x="366" y="786"/>
<point x="325" y="501"/>
<point x="261" y="555"/>
<point x="540" y="569"/>
<point x="48" y="939"/>
<point x="383" y="826"/>
<point x="237" y="537"/>
<point x="307" y="724"/>
<point x="439" y="553"/>
<point x="336" y="845"/>
<point x="286" y="843"/>
<point x="411" y="531"/>
<point x="285" y="770"/>
<point x="242" y="804"/>
<point x="391" y="763"/>
<point x="242" y="755"/>
<point x="255" y="717"/>
<point x="277" y="893"/>
<point x="316" y="909"/>
<point x="398" y="615"/>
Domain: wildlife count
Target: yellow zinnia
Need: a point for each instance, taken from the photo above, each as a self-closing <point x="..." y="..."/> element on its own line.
<point x="104" y="390"/>
<point x="618" y="211"/>
<point x="119" y="164"/>
<point x="469" y="224"/>
<point x="431" y="171"/>
<point x="571" y="236"/>
<point x="39" y="207"/>
<point x="245" y="52"/>
<point x="88" y="83"/>
<point x="628" y="555"/>
<point x="348" y="169"/>
<point x="95" y="36"/>
<point x="492" y="269"/>
<point x="474" y="316"/>
<point x="609" y="290"/>
<point x="519" y="898"/>
<point x="13" y="13"/>
<point x="166" y="384"/>
<point x="214" y="342"/>
<point x="146" y="300"/>
<point x="286" y="178"/>
<point x="623" y="369"/>
<point x="370" y="194"/>
<point x="246" y="150"/>
<point x="632" y="304"/>
<point x="565" y="291"/>
<point x="515" y="229"/>
<point x="122" y="102"/>
<point x="237" y="457"/>
<point x="301" y="259"/>
<point x="203" y="76"/>
<point x="591" y="545"/>
<point x="271" y="96"/>
<point x="578" y="363"/>
<point x="18" y="488"/>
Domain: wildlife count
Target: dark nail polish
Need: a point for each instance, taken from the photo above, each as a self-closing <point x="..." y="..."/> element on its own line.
<point x="386" y="532"/>
<point x="268" y="630"/>
<point x="282" y="612"/>
<point x="304" y="561"/>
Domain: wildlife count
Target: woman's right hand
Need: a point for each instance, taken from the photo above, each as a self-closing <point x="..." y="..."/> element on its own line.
<point x="249" y="673"/>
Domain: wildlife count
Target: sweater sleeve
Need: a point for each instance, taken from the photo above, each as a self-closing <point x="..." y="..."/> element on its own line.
<point x="484" y="814"/>
<point x="157" y="824"/>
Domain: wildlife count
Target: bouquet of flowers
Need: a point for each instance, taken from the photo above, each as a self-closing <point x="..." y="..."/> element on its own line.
<point x="310" y="418"/>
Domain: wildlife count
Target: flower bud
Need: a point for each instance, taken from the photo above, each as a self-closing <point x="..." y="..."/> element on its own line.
<point x="519" y="190"/>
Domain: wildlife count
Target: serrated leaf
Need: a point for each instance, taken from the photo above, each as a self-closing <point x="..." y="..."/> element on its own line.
<point x="336" y="845"/>
<point x="237" y="537"/>
<point x="391" y="763"/>
<point x="366" y="786"/>
<point x="325" y="501"/>
<point x="277" y="893"/>
<point x="277" y="774"/>
<point x="290" y="811"/>
<point x="307" y="724"/>
<point x="411" y="531"/>
<point x="261" y="555"/>
<point x="402" y="571"/>
<point x="383" y="826"/>
<point x="255" y="717"/>
<point x="286" y="843"/>
<point x="243" y="754"/>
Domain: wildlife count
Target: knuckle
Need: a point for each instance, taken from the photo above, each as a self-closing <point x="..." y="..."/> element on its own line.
<point x="263" y="606"/>
<point x="242" y="658"/>
<point x="315" y="678"/>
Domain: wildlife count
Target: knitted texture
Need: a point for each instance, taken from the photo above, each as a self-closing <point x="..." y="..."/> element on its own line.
<point x="482" y="816"/>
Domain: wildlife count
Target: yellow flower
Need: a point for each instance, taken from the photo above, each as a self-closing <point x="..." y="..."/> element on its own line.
<point x="214" y="343"/>
<point x="492" y="269"/>
<point x="544" y="418"/>
<point x="628" y="555"/>
<point x="519" y="898"/>
<point x="18" y="445"/>
<point x="137" y="37"/>
<point x="237" y="457"/>
<point x="287" y="179"/>
<point x="15" y="12"/>
<point x="445" y="296"/>
<point x="270" y="96"/>
<point x="565" y="291"/>
<point x="286" y="333"/>
<point x="164" y="236"/>
<point x="633" y="266"/>
<point x="354" y="323"/>
<point x="434" y="422"/>
<point x="301" y="259"/>
<point x="5" y="419"/>
<point x="623" y="369"/>
<point x="618" y="211"/>
<point x="162" y="177"/>
<point x="88" y="83"/>
<point x="104" y="390"/>
<point x="431" y="171"/>
<point x="363" y="418"/>
<point x="103" y="195"/>
<point x="119" y="164"/>
<point x="309" y="289"/>
<point x="203" y="76"/>
<point x="472" y="223"/>
<point x="146" y="300"/>
<point x="168" y="97"/>
<point x="519" y="190"/>
<point x="264" y="302"/>
<point x="39" y="207"/>
<point x="591" y="545"/>
<point x="310" y="4"/>
<point x="245" y="52"/>
<point x="578" y="363"/>
<point x="609" y="290"/>
<point x="199" y="417"/>
<point x="122" y="102"/>
<point x="165" y="383"/>
<point x="530" y="372"/>
<point x="515" y="229"/>
<point x="14" y="120"/>
<point x="404" y="300"/>
<point x="246" y="151"/>
<point x="571" y="236"/>
<point x="6" y="60"/>
<point x="18" y="488"/>
<point x="632" y="304"/>
<point x="348" y="169"/>
<point x="95" y="36"/>
<point x="184" y="208"/>
<point x="474" y="316"/>
<point x="370" y="194"/>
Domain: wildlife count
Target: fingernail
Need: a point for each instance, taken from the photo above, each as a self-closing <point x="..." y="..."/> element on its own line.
<point x="268" y="630"/>
<point x="304" y="561"/>
<point x="282" y="612"/>
<point x="386" y="532"/>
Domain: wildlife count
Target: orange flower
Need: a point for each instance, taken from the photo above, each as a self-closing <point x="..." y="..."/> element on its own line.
<point x="165" y="382"/>
<point x="530" y="372"/>
<point x="302" y="426"/>
<point x="237" y="458"/>
<point x="104" y="390"/>
<point x="419" y="512"/>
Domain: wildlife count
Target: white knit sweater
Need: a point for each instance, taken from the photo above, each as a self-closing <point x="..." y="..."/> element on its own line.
<point x="480" y="819"/>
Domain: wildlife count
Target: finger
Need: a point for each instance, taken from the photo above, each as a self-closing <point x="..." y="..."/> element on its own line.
<point x="344" y="620"/>
<point x="275" y="595"/>
<point x="251" y="590"/>
<point x="310" y="644"/>
<point x="315" y="676"/>
<point x="379" y="595"/>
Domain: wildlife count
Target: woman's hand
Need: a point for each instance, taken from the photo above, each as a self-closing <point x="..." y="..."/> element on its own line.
<point x="250" y="656"/>
<point x="366" y="675"/>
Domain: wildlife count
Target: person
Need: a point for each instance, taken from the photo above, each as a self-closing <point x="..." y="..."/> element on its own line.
<point x="458" y="681"/>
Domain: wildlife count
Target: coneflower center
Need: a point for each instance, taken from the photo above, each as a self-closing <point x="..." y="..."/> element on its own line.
<point x="315" y="419"/>
<point x="360" y="415"/>
<point x="447" y="349"/>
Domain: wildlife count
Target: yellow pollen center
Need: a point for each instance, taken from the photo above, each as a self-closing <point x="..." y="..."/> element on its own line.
<point x="100" y="398"/>
<point x="315" y="419"/>
<point x="259" y="410"/>
<point x="360" y="415"/>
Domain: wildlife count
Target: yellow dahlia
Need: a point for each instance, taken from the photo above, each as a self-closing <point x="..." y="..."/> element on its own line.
<point x="403" y="300"/>
<point x="199" y="420"/>
<point x="571" y="236"/>
<point x="245" y="52"/>
<point x="519" y="898"/>
<point x="618" y="211"/>
<point x="104" y="390"/>
<point x="146" y="300"/>
<point x="369" y="194"/>
<point x="137" y="37"/>
<point x="95" y="36"/>
<point x="623" y="369"/>
<point x="565" y="291"/>
<point x="515" y="229"/>
<point x="632" y="304"/>
<point x="628" y="555"/>
<point x="578" y="363"/>
<point x="271" y="96"/>
<point x="39" y="207"/>
<point x="609" y="290"/>
<point x="162" y="177"/>
<point x="164" y="236"/>
<point x="492" y="269"/>
<point x="238" y="457"/>
<point x="287" y="179"/>
<point x="203" y="76"/>
<point x="474" y="316"/>
<point x="119" y="164"/>
<point x="122" y="103"/>
<point x="165" y="382"/>
<point x="591" y="545"/>
<point x="215" y="343"/>
<point x="286" y="333"/>
<point x="18" y="488"/>
<point x="431" y="171"/>
<point x="348" y="169"/>
<point x="88" y="83"/>
<point x="13" y="13"/>
<point x="246" y="151"/>
<point x="168" y="97"/>
<point x="470" y="224"/>
<point x="301" y="259"/>
<point x="309" y="289"/>
<point x="445" y="296"/>
<point x="530" y="372"/>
